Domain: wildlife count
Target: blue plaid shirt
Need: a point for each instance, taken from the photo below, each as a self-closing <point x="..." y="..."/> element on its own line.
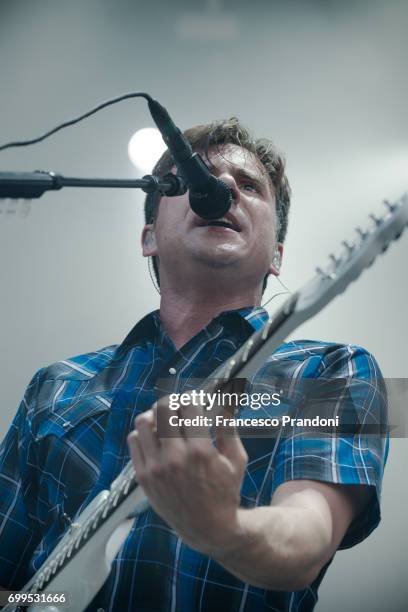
<point x="68" y="442"/>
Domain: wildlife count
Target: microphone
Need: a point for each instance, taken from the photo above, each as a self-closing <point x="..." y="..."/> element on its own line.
<point x="210" y="198"/>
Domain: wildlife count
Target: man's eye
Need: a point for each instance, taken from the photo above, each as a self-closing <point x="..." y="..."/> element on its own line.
<point x="249" y="186"/>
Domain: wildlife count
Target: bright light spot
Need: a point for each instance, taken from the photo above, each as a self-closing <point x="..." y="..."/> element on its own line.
<point x="145" y="148"/>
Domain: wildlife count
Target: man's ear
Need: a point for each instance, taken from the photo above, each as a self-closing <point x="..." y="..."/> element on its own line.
<point x="149" y="241"/>
<point x="276" y="262"/>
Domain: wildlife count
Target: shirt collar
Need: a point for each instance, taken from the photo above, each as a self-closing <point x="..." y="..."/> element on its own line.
<point x="255" y="315"/>
<point x="149" y="328"/>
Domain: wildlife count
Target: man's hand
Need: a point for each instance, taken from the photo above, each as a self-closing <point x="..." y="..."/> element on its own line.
<point x="195" y="488"/>
<point x="192" y="484"/>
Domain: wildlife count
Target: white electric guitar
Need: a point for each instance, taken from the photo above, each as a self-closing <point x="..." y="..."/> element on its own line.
<point x="81" y="562"/>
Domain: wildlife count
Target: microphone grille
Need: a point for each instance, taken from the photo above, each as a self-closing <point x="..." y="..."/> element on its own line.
<point x="214" y="203"/>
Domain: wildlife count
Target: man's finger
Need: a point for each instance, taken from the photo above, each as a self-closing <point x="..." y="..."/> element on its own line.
<point x="149" y="443"/>
<point x="136" y="452"/>
<point x="169" y="432"/>
<point x="228" y="440"/>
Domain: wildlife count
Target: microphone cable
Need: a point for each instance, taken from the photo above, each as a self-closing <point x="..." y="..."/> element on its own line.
<point x="61" y="126"/>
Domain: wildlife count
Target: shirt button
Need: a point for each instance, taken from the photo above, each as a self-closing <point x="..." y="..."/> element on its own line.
<point x="172" y="371"/>
<point x="100" y="610"/>
<point x="66" y="424"/>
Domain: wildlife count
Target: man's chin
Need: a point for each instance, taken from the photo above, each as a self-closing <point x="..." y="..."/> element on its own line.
<point x="221" y="257"/>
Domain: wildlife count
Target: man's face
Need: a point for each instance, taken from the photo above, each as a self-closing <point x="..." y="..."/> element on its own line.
<point x="247" y="240"/>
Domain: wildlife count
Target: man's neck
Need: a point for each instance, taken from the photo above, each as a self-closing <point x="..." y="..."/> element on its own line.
<point x="183" y="316"/>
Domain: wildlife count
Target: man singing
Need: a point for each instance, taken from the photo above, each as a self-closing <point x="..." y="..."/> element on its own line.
<point x="235" y="524"/>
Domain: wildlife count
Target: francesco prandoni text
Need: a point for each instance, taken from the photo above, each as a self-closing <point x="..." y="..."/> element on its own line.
<point x="254" y="401"/>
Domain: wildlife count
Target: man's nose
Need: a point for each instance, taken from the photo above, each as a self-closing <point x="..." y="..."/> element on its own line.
<point x="227" y="178"/>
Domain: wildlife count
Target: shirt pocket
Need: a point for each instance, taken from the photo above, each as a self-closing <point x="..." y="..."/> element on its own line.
<point x="69" y="443"/>
<point x="66" y="416"/>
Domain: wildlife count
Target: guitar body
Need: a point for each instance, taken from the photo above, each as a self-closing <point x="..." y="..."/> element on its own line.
<point x="90" y="565"/>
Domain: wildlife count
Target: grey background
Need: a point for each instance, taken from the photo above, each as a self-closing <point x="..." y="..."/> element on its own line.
<point x="326" y="80"/>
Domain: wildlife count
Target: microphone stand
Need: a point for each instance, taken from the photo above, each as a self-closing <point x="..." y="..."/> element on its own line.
<point x="29" y="185"/>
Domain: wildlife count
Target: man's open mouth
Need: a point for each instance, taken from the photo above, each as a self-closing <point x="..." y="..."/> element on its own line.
<point x="222" y="223"/>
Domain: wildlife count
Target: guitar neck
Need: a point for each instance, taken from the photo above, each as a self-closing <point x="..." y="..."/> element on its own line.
<point x="254" y="352"/>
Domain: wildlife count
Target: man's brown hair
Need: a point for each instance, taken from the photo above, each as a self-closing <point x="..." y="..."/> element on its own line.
<point x="216" y="135"/>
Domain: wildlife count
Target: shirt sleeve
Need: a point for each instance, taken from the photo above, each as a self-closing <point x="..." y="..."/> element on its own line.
<point x="357" y="452"/>
<point x="19" y="529"/>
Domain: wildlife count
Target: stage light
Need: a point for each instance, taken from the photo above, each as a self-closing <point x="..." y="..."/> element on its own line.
<point x="145" y="148"/>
